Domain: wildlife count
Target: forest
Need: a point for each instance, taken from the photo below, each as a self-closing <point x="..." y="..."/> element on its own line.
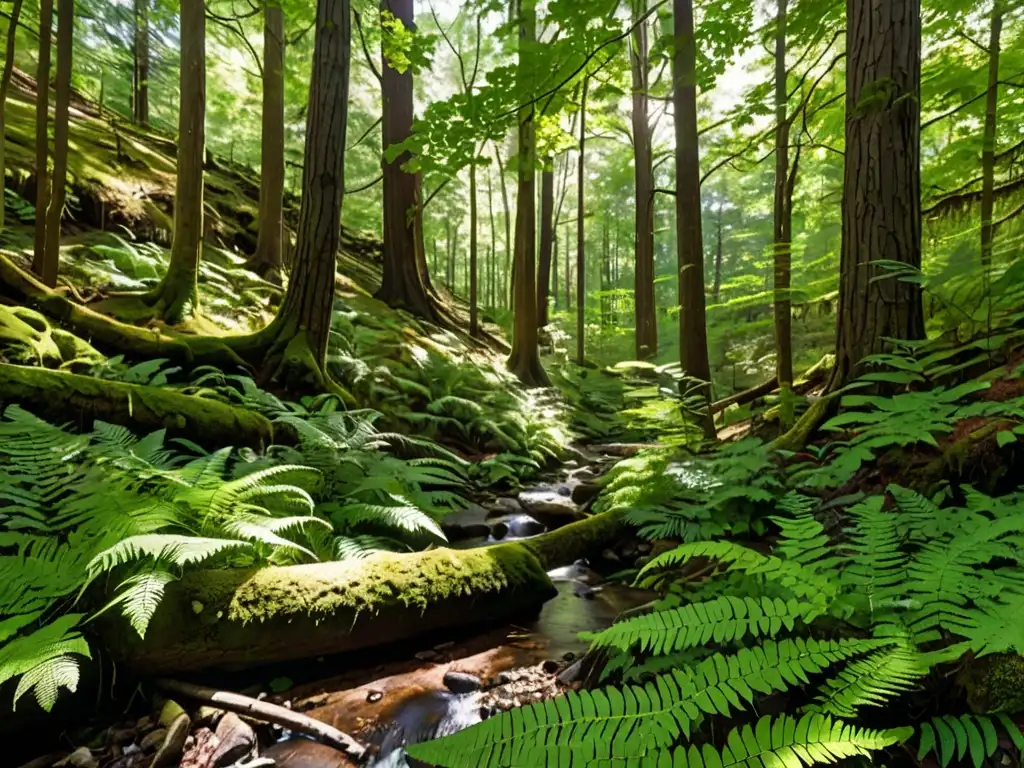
<point x="528" y="384"/>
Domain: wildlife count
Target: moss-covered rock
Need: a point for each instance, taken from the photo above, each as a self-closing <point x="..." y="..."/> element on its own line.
<point x="994" y="683"/>
<point x="239" y="618"/>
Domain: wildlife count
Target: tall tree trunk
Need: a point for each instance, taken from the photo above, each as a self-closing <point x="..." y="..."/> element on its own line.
<point x="42" y="133"/>
<point x="406" y="281"/>
<point x="988" y="152"/>
<point x="177" y="296"/>
<point x="783" y="216"/>
<point x="716" y="288"/>
<point x="554" y="266"/>
<point x="693" y="335"/>
<point x="55" y="209"/>
<point x="506" y="288"/>
<point x="301" y="330"/>
<point x="881" y="181"/>
<point x="547" y="211"/>
<point x="492" y="302"/>
<point x="604" y="276"/>
<point x="268" y="258"/>
<point x="474" y="299"/>
<point x="5" y="84"/>
<point x="643" y="160"/>
<point x="433" y="246"/>
<point x="140" y="81"/>
<point x="568" y="271"/>
<point x="524" y="361"/>
<point x="581" y="277"/>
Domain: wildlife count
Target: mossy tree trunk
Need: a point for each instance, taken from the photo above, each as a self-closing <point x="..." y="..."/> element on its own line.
<point x="643" y="161"/>
<point x="5" y="84"/>
<point x="140" y="79"/>
<point x="524" y="361"/>
<point x="177" y="297"/>
<point x="547" y="212"/>
<point x="881" y="182"/>
<point x="988" y="150"/>
<point x="406" y="279"/>
<point x="716" y="286"/>
<point x="55" y="209"/>
<point x="268" y="258"/>
<point x="297" y="338"/>
<point x="693" y="334"/>
<point x="581" y="273"/>
<point x="42" y="134"/>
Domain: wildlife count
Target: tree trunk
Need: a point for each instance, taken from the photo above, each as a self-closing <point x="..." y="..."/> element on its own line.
<point x="524" y="361"/>
<point x="474" y="299"/>
<point x="492" y="288"/>
<point x="177" y="296"/>
<point x="643" y="160"/>
<point x="55" y="209"/>
<point x="581" y="276"/>
<point x="783" y="215"/>
<point x="302" y="327"/>
<point x="268" y="258"/>
<point x="881" y="181"/>
<point x="716" y="288"/>
<point x="140" y="82"/>
<point x="547" y="211"/>
<point x="693" y="336"/>
<point x="5" y="84"/>
<point x="604" y="276"/>
<point x="42" y="134"/>
<point x="507" y="272"/>
<point x="568" y="272"/>
<point x="554" y="267"/>
<point x="988" y="152"/>
<point x="406" y="281"/>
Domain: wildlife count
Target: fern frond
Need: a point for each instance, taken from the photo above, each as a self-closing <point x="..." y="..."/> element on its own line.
<point x="163" y="548"/>
<point x="871" y="681"/>
<point x="973" y="736"/>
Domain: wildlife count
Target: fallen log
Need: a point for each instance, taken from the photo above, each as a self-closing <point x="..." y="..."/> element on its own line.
<point x="233" y="619"/>
<point x="56" y="395"/>
<point x="741" y="398"/>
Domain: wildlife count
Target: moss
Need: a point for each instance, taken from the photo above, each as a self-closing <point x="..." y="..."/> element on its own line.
<point x="994" y="683"/>
<point x="580" y="539"/>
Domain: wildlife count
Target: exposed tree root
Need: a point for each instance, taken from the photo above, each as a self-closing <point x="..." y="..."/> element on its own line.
<point x="54" y="395"/>
<point x="797" y="437"/>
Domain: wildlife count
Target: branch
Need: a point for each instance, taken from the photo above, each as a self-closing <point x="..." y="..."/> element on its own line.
<point x="269" y="713"/>
<point x="968" y="38"/>
<point x="226" y="23"/>
<point x="663" y="190"/>
<point x="365" y="186"/>
<point x="434" y="194"/>
<point x="366" y="51"/>
<point x="451" y="46"/>
<point x="366" y="133"/>
<point x="817" y="61"/>
<point x="950" y="113"/>
<point x="582" y="66"/>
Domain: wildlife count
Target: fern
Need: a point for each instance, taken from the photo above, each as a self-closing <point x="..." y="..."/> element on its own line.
<point x="972" y="736"/>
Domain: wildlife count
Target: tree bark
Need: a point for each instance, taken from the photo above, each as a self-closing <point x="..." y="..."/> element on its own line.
<point x="268" y="258"/>
<point x="554" y="267"/>
<point x="693" y="336"/>
<point x="716" y="288"/>
<point x="783" y="217"/>
<point x="301" y="330"/>
<point x="524" y="361"/>
<point x="493" y="269"/>
<point x="547" y="211"/>
<point x="42" y="134"/>
<point x="55" y="208"/>
<point x="507" y="272"/>
<point x="406" y="281"/>
<point x="177" y="297"/>
<point x="988" y="152"/>
<point x="881" y="181"/>
<point x="581" y="277"/>
<point x="5" y="84"/>
<point x="643" y="161"/>
<point x="140" y="81"/>
<point x="474" y="309"/>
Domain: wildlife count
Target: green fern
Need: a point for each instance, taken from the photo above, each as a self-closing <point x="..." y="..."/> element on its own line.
<point x="974" y="737"/>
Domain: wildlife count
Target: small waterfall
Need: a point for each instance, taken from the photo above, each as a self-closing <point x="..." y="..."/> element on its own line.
<point x="436" y="714"/>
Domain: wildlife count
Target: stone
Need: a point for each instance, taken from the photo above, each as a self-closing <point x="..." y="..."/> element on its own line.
<point x="571" y="674"/>
<point x="80" y="758"/>
<point x="585" y="492"/>
<point x="199" y="753"/>
<point x="517" y="527"/>
<point x="462" y="682"/>
<point x="209" y="716"/>
<point x="610" y="555"/>
<point x="549" y="507"/>
<point x="174" y="743"/>
<point x="152" y="740"/>
<point x="372" y="697"/>
<point x="429" y="655"/>
<point x="169" y="713"/>
<point x="550" y="666"/>
<point x="237" y="739"/>
<point x="468" y="523"/>
<point x="304" y="753"/>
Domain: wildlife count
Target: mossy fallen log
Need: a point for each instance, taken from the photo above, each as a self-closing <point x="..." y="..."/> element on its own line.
<point x="233" y="619"/>
<point x="59" y="396"/>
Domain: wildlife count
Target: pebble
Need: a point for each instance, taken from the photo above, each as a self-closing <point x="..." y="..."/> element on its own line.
<point x="462" y="682"/>
<point x="174" y="744"/>
<point x="80" y="758"/>
<point x="236" y="738"/>
<point x="373" y="697"/>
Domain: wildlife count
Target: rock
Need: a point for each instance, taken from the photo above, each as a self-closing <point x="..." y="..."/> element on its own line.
<point x="303" y="753"/>
<point x="504" y="678"/>
<point x="144" y="723"/>
<point x="468" y="523"/>
<point x="121" y="736"/>
<point x="462" y="682"/>
<point x="80" y="758"/>
<point x="549" y="507"/>
<point x="550" y="666"/>
<point x="174" y="743"/>
<point x="578" y="571"/>
<point x="441" y="647"/>
<point x="169" y="713"/>
<point x="152" y="740"/>
<point x="579" y="589"/>
<point x="236" y="738"/>
<point x="643" y="547"/>
<point x="584" y="492"/>
<point x="571" y="674"/>
<point x="504" y="506"/>
<point x="372" y="697"/>
<point x="200" y="752"/>
<point x="429" y="655"/>
<point x="610" y="555"/>
<point x="519" y="527"/>
<point x="568" y="656"/>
